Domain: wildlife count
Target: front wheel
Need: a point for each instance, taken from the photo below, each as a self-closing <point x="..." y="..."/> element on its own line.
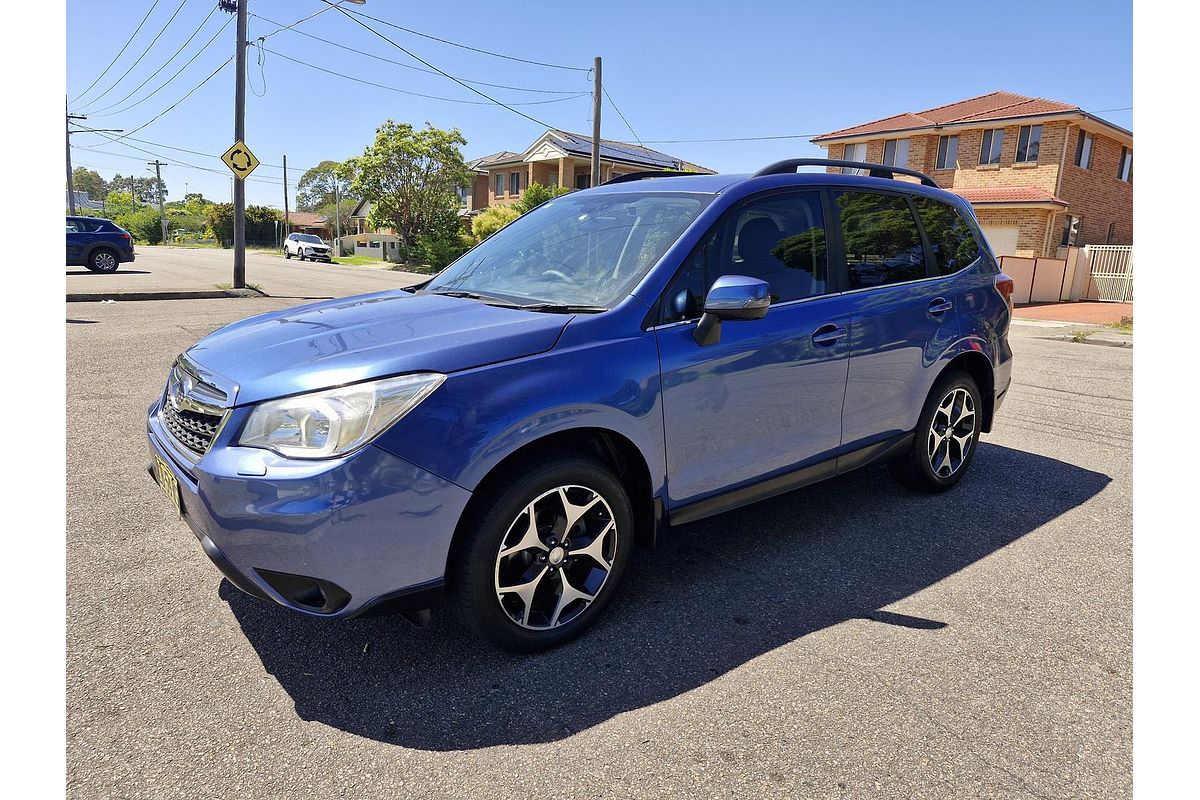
<point x="287" y="253"/>
<point x="946" y="437"/>
<point x="103" y="261"/>
<point x="543" y="553"/>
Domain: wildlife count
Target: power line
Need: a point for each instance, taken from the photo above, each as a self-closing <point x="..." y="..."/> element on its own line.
<point x="186" y="150"/>
<point x="283" y="27"/>
<point x="138" y="60"/>
<point x="211" y="75"/>
<point x="622" y="116"/>
<point x="411" y="55"/>
<point x="736" y="139"/>
<point x="414" y="94"/>
<point x="410" y="66"/>
<point x="119" y="53"/>
<point x="99" y="112"/>
<point x="458" y="44"/>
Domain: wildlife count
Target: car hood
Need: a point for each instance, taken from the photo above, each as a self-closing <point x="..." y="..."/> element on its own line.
<point x="352" y="339"/>
<point x="313" y="245"/>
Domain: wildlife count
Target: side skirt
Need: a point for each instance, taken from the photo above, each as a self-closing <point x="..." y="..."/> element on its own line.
<point x="780" y="484"/>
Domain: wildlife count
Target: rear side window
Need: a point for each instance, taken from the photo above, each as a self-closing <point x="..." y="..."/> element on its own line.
<point x="881" y="239"/>
<point x="779" y="239"/>
<point x="82" y="226"/>
<point x="954" y="246"/>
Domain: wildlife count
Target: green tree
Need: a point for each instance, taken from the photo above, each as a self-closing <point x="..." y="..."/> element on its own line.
<point x="492" y="219"/>
<point x="315" y="190"/>
<point x="260" y="222"/>
<point x="144" y="224"/>
<point x="411" y="177"/>
<point x="146" y="189"/>
<point x="86" y="180"/>
<point x="536" y="194"/>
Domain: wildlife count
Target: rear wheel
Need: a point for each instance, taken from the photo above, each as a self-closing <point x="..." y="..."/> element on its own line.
<point x="543" y="553"/>
<point x="103" y="260"/>
<point x="946" y="436"/>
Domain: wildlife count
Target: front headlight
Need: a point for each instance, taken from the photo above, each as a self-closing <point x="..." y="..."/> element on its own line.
<point x="307" y="250"/>
<point x="335" y="421"/>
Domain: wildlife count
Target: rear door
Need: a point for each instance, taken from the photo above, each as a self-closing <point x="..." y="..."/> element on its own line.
<point x="903" y="315"/>
<point x="767" y="397"/>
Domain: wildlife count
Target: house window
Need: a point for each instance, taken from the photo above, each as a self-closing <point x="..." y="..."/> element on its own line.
<point x="947" y="155"/>
<point x="895" y="152"/>
<point x="854" y="152"/>
<point x="499" y="184"/>
<point x="514" y="183"/>
<point x="1125" y="170"/>
<point x="989" y="150"/>
<point x="1083" y="150"/>
<point x="1029" y="141"/>
<point x="1112" y="233"/>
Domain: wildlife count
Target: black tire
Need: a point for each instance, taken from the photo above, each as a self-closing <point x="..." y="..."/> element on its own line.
<point x="287" y="253"/>
<point x="916" y="467"/>
<point x="474" y="568"/>
<point x="103" y="259"/>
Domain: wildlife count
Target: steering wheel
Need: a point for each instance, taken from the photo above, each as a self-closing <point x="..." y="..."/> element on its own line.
<point x="554" y="273"/>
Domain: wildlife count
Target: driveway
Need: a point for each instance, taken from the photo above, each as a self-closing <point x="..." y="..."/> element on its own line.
<point x="175" y="268"/>
<point x="848" y="640"/>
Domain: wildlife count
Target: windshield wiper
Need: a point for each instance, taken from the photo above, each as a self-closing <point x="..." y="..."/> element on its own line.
<point x="487" y="299"/>
<point x="562" y="308"/>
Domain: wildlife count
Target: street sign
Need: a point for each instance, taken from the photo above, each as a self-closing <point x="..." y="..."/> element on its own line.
<point x="240" y="160"/>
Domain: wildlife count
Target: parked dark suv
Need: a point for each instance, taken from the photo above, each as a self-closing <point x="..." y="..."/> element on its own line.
<point x="615" y="363"/>
<point x="98" y="244"/>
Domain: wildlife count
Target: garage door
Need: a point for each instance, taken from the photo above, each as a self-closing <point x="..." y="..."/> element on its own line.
<point x="1003" y="239"/>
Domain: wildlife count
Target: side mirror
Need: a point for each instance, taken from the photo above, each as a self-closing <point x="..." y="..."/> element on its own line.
<point x="731" y="297"/>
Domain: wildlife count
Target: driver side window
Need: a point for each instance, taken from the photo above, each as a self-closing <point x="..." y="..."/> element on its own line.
<point x="779" y="239"/>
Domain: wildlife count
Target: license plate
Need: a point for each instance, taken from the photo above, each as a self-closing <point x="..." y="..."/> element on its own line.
<point x="169" y="484"/>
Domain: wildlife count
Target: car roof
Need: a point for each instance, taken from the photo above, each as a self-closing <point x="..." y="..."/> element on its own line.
<point x="94" y="219"/>
<point x="716" y="184"/>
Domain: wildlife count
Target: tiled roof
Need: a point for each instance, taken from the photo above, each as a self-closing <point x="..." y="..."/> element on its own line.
<point x="997" y="105"/>
<point x="306" y="219"/>
<point x="983" y="195"/>
<point x="503" y="157"/>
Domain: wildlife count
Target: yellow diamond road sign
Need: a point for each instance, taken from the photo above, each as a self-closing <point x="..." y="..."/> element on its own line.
<point x="240" y="160"/>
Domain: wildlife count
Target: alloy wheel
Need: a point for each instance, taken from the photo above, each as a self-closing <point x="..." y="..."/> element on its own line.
<point x="952" y="432"/>
<point x="105" y="262"/>
<point x="556" y="557"/>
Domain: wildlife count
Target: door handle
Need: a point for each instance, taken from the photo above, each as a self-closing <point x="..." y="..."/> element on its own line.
<point x="828" y="334"/>
<point x="939" y="306"/>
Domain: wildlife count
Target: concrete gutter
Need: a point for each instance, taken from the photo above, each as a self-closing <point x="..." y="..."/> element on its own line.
<point x="168" y="294"/>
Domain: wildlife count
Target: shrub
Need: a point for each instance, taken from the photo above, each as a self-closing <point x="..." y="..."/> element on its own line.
<point x="144" y="224"/>
<point x="492" y="219"/>
<point x="536" y="194"/>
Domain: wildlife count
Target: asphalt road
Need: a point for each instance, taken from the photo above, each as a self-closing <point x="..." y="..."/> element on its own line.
<point x="846" y="640"/>
<point x="175" y="268"/>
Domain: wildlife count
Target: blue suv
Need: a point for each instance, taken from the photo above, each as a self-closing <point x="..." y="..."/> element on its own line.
<point x="617" y="362"/>
<point x="98" y="244"/>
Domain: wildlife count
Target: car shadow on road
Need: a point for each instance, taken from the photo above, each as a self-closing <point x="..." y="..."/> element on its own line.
<point x="86" y="271"/>
<point x="715" y="595"/>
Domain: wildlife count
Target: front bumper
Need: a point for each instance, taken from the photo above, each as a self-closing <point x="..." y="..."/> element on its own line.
<point x="326" y="538"/>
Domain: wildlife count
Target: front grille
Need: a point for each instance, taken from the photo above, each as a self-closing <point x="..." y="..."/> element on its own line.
<point x="193" y="430"/>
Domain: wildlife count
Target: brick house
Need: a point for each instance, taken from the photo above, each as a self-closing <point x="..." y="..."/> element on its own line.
<point x="560" y="158"/>
<point x="1040" y="174"/>
<point x="308" y="222"/>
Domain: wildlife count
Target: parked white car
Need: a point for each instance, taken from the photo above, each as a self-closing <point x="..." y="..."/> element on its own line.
<point x="305" y="245"/>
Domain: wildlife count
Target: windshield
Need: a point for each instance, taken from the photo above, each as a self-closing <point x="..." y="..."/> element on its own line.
<point x="308" y="237"/>
<point x="585" y="249"/>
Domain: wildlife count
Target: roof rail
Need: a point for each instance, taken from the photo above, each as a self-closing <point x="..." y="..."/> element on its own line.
<point x="873" y="170"/>
<point x="650" y="173"/>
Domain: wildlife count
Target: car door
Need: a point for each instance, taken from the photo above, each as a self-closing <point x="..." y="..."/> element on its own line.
<point x="766" y="398"/>
<point x="903" y="314"/>
<point x="74" y="253"/>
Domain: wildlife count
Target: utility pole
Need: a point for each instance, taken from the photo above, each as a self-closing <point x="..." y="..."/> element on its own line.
<point x="596" y="124"/>
<point x="162" y="213"/>
<point x="239" y="135"/>
<point x="337" y="208"/>
<point x="70" y="170"/>
<point x="287" y="228"/>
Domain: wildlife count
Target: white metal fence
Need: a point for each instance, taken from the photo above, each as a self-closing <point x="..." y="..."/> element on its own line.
<point x="1111" y="268"/>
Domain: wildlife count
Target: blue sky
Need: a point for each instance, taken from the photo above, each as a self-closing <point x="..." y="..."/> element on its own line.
<point x="677" y="70"/>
